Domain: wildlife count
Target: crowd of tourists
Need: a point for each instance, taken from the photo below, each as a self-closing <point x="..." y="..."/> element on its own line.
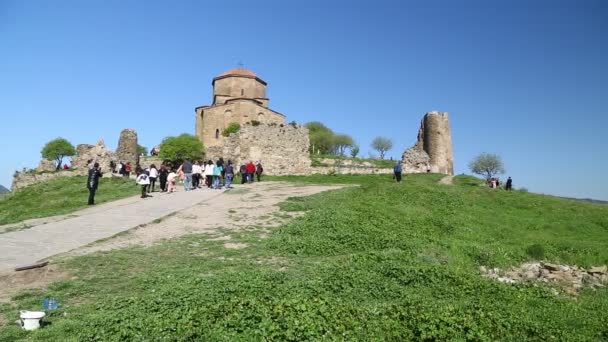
<point x="193" y="175"/>
<point x="196" y="175"/>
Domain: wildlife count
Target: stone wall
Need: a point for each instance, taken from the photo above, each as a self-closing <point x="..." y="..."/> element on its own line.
<point x="26" y="178"/>
<point x="98" y="153"/>
<point x="433" y="149"/>
<point x="282" y="149"/>
<point x="349" y="170"/>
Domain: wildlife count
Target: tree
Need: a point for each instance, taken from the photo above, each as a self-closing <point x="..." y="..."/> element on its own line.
<point x="321" y="137"/>
<point x="354" y="151"/>
<point x="142" y="150"/>
<point x="56" y="149"/>
<point x="382" y="145"/>
<point x="184" y="146"/>
<point x="342" y="142"/>
<point x="487" y="165"/>
<point x="233" y="127"/>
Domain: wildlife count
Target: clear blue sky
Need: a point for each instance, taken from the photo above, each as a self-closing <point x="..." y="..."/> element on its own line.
<point x="527" y="80"/>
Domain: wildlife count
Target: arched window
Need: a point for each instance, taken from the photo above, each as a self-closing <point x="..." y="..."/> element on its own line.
<point x="242" y="92"/>
<point x="217" y="133"/>
<point x="261" y="117"/>
<point x="228" y="112"/>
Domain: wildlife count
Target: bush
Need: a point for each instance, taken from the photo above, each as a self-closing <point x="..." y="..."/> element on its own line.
<point x="535" y="251"/>
<point x="184" y="146"/>
<point x="233" y="127"/>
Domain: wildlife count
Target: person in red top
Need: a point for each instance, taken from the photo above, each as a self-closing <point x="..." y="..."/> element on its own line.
<point x="250" y="167"/>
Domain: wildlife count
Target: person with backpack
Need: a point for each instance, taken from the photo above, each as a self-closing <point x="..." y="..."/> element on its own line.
<point x="397" y="172"/>
<point x="93" y="182"/>
<point x="144" y="180"/>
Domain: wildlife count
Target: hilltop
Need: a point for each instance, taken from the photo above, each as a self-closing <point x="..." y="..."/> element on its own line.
<point x="3" y="190"/>
<point x="378" y="260"/>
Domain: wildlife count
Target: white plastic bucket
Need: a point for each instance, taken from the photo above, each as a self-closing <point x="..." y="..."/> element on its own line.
<point x="30" y="320"/>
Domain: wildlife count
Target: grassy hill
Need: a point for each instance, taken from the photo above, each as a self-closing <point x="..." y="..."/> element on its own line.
<point x="60" y="196"/>
<point x="381" y="261"/>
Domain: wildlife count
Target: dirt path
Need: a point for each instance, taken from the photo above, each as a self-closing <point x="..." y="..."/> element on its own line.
<point x="239" y="208"/>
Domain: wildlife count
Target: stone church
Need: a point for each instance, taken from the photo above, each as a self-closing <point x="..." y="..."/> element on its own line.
<point x="239" y="95"/>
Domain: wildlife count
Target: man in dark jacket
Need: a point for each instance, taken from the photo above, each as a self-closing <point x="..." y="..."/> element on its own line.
<point x="397" y="172"/>
<point x="258" y="170"/>
<point x="93" y="182"/>
<point x="243" y="171"/>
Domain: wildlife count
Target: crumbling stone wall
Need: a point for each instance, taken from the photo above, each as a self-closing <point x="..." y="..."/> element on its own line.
<point x="98" y="153"/>
<point x="46" y="165"/>
<point x="282" y="149"/>
<point x="433" y="149"/>
<point x="127" y="147"/>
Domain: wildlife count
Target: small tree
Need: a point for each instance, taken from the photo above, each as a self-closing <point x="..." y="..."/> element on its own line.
<point x="382" y="145"/>
<point x="184" y="146"/>
<point x="354" y="151"/>
<point x="342" y="142"/>
<point x="233" y="127"/>
<point x="142" y="150"/>
<point x="56" y="149"/>
<point x="321" y="137"/>
<point x="487" y="165"/>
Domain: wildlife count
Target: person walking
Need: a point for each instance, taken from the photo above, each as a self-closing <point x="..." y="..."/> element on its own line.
<point x="144" y="180"/>
<point x="196" y="175"/>
<point x="127" y="170"/>
<point x="217" y="173"/>
<point x="397" y="172"/>
<point x="209" y="173"/>
<point x="229" y="172"/>
<point x="162" y="177"/>
<point x="258" y="170"/>
<point x="153" y="175"/>
<point x="243" y="172"/>
<point x="93" y="182"/>
<point x="250" y="171"/>
<point x="186" y="169"/>
<point x="220" y="163"/>
<point x="509" y="185"/>
<point x="171" y="180"/>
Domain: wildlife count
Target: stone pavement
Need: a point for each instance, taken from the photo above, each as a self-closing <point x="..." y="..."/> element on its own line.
<point x="89" y="225"/>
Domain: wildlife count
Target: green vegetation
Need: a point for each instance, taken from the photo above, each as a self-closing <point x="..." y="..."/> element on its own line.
<point x="377" y="261"/>
<point x="323" y="140"/>
<point x="60" y="196"/>
<point x="382" y="145"/>
<point x="57" y="149"/>
<point x="233" y="127"/>
<point x="487" y="165"/>
<point x="184" y="146"/>
<point x="142" y="150"/>
<point x="382" y="163"/>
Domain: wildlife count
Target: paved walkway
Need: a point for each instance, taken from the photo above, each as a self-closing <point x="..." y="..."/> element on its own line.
<point x="92" y="224"/>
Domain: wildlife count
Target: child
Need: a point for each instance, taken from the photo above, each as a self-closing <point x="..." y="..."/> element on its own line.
<point x="171" y="178"/>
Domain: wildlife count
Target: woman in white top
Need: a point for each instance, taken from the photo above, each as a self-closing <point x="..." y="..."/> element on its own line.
<point x="209" y="172"/>
<point x="153" y="176"/>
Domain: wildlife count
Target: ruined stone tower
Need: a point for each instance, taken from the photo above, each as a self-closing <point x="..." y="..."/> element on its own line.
<point x="433" y="149"/>
<point x="239" y="95"/>
<point x="127" y="147"/>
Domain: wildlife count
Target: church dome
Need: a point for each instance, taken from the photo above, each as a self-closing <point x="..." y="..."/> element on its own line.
<point x="238" y="72"/>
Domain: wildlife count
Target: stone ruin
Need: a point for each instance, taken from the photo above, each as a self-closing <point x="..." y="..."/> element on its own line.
<point x="46" y="170"/>
<point x="571" y="278"/>
<point x="127" y="151"/>
<point x="98" y="153"/>
<point x="433" y="149"/>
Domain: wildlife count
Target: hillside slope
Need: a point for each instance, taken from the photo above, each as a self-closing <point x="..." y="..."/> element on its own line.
<point x="379" y="261"/>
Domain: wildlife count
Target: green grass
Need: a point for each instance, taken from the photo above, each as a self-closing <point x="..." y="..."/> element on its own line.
<point x="60" y="196"/>
<point x="380" y="261"/>
<point x="381" y="163"/>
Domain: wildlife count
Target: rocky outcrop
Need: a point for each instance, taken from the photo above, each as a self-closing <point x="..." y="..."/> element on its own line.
<point x="127" y="147"/>
<point x="433" y="149"/>
<point x="572" y="278"/>
<point x="46" y="165"/>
